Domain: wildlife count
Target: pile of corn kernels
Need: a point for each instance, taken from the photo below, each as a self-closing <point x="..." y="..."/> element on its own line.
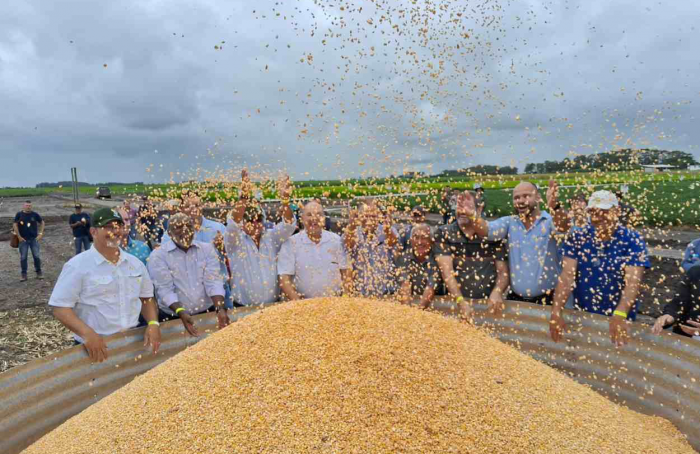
<point x="356" y="376"/>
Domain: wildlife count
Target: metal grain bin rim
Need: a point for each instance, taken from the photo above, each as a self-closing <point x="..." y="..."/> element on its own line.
<point x="36" y="397"/>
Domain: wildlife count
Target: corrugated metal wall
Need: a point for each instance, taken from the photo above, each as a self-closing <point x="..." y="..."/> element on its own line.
<point x="657" y="375"/>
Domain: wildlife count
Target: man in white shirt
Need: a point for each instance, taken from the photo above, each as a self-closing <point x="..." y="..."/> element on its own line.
<point x="313" y="262"/>
<point x="186" y="275"/>
<point x="206" y="231"/>
<point x="102" y="291"/>
<point x="253" y="250"/>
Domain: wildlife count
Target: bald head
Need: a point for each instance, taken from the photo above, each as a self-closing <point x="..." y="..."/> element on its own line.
<point x="526" y="185"/>
<point x="311" y="207"/>
<point x="313" y="218"/>
<point x="526" y="199"/>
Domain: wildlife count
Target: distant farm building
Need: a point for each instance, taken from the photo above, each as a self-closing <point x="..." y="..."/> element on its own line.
<point x="654" y="168"/>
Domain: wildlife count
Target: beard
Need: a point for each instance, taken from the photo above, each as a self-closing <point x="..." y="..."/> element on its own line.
<point x="184" y="243"/>
<point x="463" y="221"/>
<point x="524" y="211"/>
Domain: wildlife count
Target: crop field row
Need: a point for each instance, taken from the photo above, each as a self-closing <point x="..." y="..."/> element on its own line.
<point x="670" y="198"/>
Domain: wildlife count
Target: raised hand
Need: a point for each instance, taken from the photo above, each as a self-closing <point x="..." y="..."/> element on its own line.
<point x="284" y="187"/>
<point x="246" y="185"/>
<point x="552" y="195"/>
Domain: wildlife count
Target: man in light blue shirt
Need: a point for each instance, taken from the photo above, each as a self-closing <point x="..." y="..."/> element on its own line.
<point x="138" y="249"/>
<point x="691" y="257"/>
<point x="253" y="249"/>
<point x="533" y="252"/>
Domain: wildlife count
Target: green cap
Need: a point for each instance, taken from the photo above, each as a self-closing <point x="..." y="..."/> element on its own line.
<point x="103" y="216"/>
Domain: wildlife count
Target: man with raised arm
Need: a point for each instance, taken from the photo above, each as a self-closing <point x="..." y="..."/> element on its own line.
<point x="371" y="242"/>
<point x="252" y="249"/>
<point x="186" y="275"/>
<point x="603" y="265"/>
<point x="533" y="252"/>
<point x="473" y="268"/>
<point x="206" y="231"/>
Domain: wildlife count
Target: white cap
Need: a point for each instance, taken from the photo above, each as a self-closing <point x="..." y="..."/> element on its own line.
<point x="603" y="200"/>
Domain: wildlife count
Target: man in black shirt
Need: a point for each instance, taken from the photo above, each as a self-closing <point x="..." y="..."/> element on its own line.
<point x="29" y="228"/>
<point x="151" y="227"/>
<point x="80" y="223"/>
<point x="473" y="268"/>
<point x="683" y="312"/>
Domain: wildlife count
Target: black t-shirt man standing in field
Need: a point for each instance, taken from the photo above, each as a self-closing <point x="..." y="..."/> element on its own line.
<point x="29" y="228"/>
<point x="80" y="223"/>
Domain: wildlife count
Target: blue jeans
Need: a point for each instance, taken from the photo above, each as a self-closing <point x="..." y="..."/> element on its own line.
<point x="228" y="298"/>
<point x="82" y="243"/>
<point x="24" y="247"/>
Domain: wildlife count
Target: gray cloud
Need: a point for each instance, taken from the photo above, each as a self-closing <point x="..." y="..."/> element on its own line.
<point x="543" y="80"/>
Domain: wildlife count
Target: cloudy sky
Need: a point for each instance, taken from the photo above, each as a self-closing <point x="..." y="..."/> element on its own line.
<point x="153" y="90"/>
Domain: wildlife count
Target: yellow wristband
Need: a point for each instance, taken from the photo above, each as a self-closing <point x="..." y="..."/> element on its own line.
<point x="459" y="299"/>
<point x="620" y="314"/>
<point x="153" y="322"/>
<point x="178" y="310"/>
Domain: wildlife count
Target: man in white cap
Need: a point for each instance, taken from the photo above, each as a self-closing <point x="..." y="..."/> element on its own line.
<point x="603" y="265"/>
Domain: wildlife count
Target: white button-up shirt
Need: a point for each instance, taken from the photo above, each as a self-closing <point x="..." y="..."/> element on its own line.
<point x="253" y="269"/>
<point x="105" y="296"/>
<point x="315" y="267"/>
<point x="190" y="278"/>
<point x="206" y="234"/>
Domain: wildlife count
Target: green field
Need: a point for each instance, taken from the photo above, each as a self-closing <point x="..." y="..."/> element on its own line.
<point x="670" y="198"/>
<point x="120" y="190"/>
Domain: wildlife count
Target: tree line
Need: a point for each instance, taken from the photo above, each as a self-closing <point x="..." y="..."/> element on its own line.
<point x="618" y="160"/>
<point x="82" y="184"/>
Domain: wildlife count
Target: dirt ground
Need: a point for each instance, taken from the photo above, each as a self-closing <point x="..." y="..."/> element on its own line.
<point x="28" y="331"/>
<point x="27" y="328"/>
